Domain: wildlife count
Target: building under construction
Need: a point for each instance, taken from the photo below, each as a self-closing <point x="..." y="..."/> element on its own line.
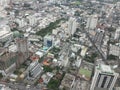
<point x="22" y="50"/>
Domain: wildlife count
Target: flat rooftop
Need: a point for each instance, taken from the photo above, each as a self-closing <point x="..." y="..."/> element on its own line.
<point x="105" y="68"/>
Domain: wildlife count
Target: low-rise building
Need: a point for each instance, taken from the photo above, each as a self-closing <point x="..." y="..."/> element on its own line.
<point x="46" y="77"/>
<point x="67" y="82"/>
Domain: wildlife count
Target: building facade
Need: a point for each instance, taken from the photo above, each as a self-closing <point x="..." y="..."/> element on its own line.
<point x="72" y="25"/>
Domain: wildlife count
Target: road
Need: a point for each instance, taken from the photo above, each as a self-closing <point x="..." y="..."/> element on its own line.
<point x="97" y="48"/>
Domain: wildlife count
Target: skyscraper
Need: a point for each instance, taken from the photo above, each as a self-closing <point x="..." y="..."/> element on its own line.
<point x="22" y="47"/>
<point x="104" y="78"/>
<point x="92" y="22"/>
<point x="72" y="25"/>
<point x="117" y="34"/>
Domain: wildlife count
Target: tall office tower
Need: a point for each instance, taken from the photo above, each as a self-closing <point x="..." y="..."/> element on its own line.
<point x="48" y="40"/>
<point x="104" y="78"/>
<point x="72" y="25"/>
<point x="117" y="34"/>
<point x="92" y="21"/>
<point x="22" y="47"/>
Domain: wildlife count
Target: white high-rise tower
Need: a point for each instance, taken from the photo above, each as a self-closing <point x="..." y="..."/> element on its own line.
<point x="104" y="78"/>
<point x="92" y="21"/>
<point x="72" y="25"/>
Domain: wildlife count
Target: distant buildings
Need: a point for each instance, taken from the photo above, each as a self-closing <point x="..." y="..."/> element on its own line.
<point x="22" y="47"/>
<point x="104" y="78"/>
<point x="72" y="25"/>
<point x="92" y="22"/>
<point x="4" y="2"/>
<point x="4" y="87"/>
<point x="34" y="70"/>
<point x="32" y="20"/>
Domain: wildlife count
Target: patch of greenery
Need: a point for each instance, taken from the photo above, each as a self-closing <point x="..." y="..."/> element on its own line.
<point x="41" y="59"/>
<point x="53" y="84"/>
<point x="1" y="76"/>
<point x="91" y="58"/>
<point x="85" y="72"/>
<point x="17" y="72"/>
<point x="111" y="29"/>
<point x="47" y="69"/>
<point x="112" y="57"/>
<point x="49" y="28"/>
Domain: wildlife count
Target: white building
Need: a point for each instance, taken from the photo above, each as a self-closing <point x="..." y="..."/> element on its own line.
<point x="72" y="25"/>
<point x="92" y="21"/>
<point x="46" y="77"/>
<point x="32" y="20"/>
<point x="114" y="50"/>
<point x="117" y="34"/>
<point x="5" y="33"/>
<point x="104" y="78"/>
<point x="118" y="5"/>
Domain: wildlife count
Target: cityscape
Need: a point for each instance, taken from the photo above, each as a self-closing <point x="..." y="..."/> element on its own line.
<point x="59" y="44"/>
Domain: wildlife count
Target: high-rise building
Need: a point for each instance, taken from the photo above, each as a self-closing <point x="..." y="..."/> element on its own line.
<point x="72" y="25"/>
<point x="48" y="40"/>
<point x="104" y="78"/>
<point x="22" y="50"/>
<point x="32" y="20"/>
<point x="92" y="22"/>
<point x="35" y="70"/>
<point x="117" y="34"/>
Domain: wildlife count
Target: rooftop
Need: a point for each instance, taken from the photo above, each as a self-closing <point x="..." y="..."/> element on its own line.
<point x="105" y="68"/>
